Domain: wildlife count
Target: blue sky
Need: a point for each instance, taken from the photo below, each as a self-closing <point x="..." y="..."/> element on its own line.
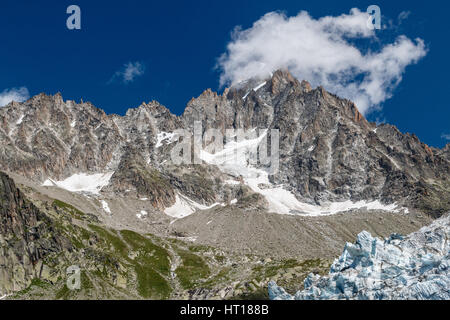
<point x="128" y="52"/>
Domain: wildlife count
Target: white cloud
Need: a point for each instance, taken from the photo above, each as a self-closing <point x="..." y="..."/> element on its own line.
<point x="14" y="94"/>
<point x="403" y="16"/>
<point x="445" y="136"/>
<point x="129" y="72"/>
<point x="321" y="51"/>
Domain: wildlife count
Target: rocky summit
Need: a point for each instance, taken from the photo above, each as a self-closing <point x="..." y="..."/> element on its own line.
<point x="328" y="151"/>
<point x="108" y="194"/>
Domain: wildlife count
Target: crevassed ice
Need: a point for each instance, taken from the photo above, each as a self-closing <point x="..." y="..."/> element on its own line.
<point x="234" y="160"/>
<point x="82" y="182"/>
<point x="416" y="267"/>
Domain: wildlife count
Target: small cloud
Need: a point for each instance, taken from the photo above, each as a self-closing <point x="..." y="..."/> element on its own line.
<point x="445" y="136"/>
<point x="15" y="94"/>
<point x="129" y="72"/>
<point x="380" y="121"/>
<point x="403" y="16"/>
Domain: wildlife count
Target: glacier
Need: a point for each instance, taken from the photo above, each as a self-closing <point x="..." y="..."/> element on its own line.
<point x="415" y="267"/>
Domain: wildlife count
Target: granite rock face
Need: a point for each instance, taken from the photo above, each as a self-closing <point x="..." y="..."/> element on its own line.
<point x="27" y="238"/>
<point x="416" y="267"/>
<point x="328" y="151"/>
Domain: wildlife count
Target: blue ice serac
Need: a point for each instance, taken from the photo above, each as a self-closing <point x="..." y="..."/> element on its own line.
<point x="415" y="267"/>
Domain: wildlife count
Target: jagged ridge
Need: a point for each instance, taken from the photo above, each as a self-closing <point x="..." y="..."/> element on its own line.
<point x="328" y="150"/>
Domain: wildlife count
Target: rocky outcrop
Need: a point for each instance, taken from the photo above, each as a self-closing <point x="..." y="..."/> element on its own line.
<point x="134" y="176"/>
<point x="48" y="137"/>
<point x="27" y="238"/>
<point x="413" y="268"/>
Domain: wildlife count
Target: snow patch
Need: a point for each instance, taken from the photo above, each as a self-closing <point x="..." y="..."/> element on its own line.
<point x="164" y="136"/>
<point x="254" y="89"/>
<point x="82" y="182"/>
<point x="234" y="157"/>
<point x="259" y="86"/>
<point x="232" y="182"/>
<point x="142" y="214"/>
<point x="184" y="207"/>
<point x="234" y="201"/>
<point x="49" y="183"/>
<point x="20" y="120"/>
<point x="105" y="206"/>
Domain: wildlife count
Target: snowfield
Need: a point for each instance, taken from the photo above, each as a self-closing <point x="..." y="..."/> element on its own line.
<point x="413" y="268"/>
<point x="234" y="160"/>
<point x="82" y="182"/>
<point x="184" y="207"/>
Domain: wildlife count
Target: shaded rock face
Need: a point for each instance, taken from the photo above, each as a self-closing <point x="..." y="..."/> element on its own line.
<point x="416" y="267"/>
<point x="27" y="237"/>
<point x="134" y="175"/>
<point x="328" y="150"/>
